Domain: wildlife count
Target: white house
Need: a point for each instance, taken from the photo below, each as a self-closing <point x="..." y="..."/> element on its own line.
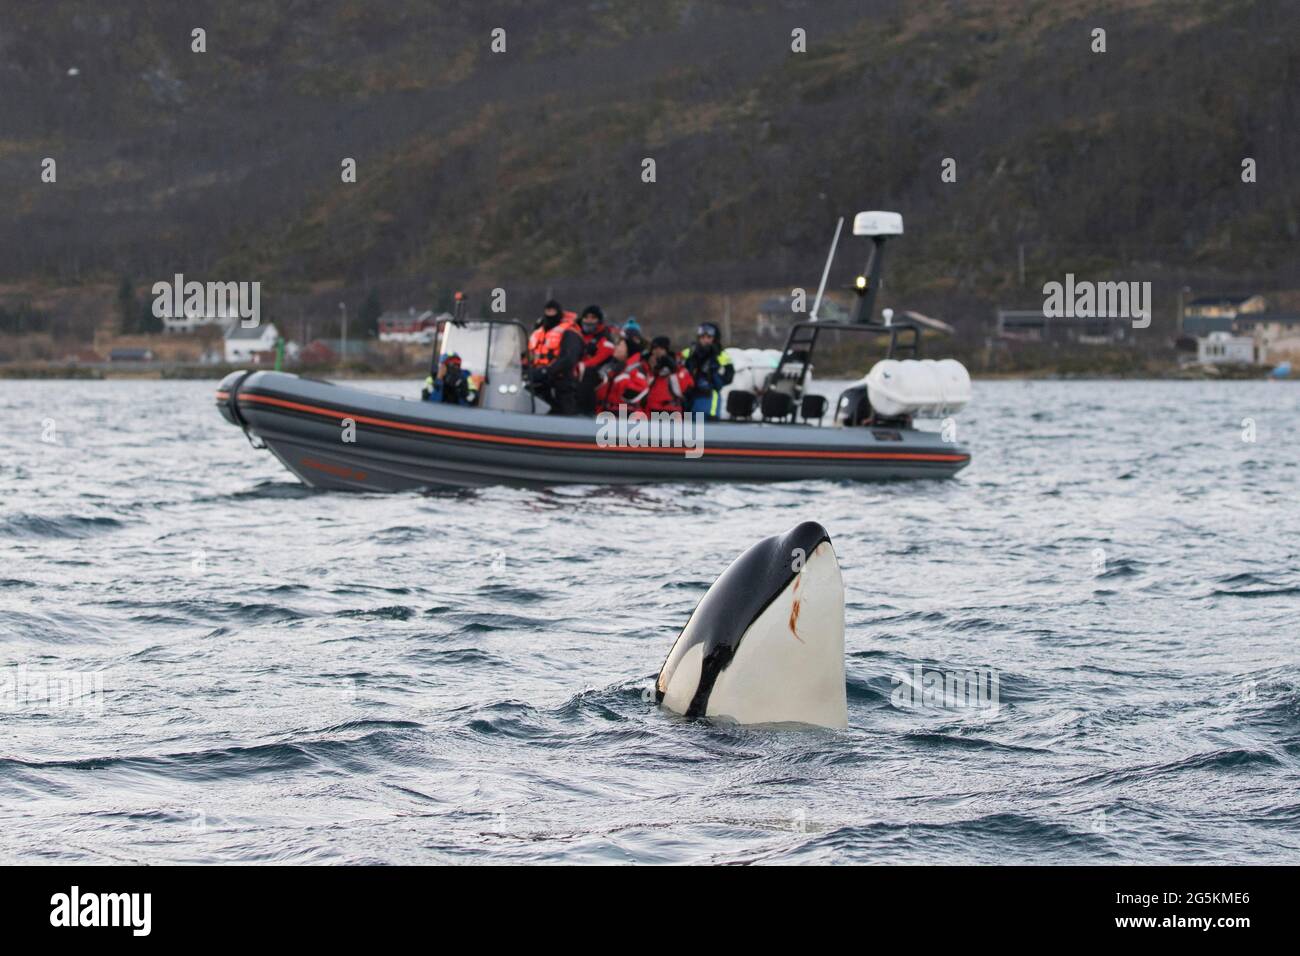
<point x="1222" y="348"/>
<point x="192" y="320"/>
<point x="241" y="343"/>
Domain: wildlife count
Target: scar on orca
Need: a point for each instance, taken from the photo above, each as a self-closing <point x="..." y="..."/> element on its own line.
<point x="794" y="611"/>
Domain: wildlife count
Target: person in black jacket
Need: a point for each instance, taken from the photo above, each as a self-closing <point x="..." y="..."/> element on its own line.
<point x="562" y="373"/>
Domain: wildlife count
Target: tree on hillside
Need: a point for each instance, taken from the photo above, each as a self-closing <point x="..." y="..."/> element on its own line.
<point x="126" y="307"/>
<point x="369" y="315"/>
<point x="149" y="324"/>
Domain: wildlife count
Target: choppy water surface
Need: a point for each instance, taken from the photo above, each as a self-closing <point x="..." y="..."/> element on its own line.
<point x="294" y="676"/>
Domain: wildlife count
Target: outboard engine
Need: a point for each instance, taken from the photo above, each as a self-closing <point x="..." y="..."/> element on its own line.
<point x="853" y="408"/>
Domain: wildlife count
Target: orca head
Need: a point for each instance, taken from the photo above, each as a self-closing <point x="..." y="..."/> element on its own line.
<point x="766" y="642"/>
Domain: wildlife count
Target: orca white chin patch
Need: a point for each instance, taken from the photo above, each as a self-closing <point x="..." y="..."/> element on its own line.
<point x="766" y="642"/>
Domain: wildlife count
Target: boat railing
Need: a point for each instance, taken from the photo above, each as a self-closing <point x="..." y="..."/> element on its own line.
<point x="801" y="343"/>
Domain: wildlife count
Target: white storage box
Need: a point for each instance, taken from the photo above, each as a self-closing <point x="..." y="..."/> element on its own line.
<point x="923" y="388"/>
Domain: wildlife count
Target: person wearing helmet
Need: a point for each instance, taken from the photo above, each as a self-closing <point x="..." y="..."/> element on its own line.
<point x="598" y="341"/>
<point x="453" y="385"/>
<point x="710" y="368"/>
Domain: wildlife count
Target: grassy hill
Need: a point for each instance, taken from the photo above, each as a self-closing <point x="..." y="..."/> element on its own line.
<point x="524" y="169"/>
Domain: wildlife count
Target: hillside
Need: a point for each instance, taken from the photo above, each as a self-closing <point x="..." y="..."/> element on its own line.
<point x="523" y="169"/>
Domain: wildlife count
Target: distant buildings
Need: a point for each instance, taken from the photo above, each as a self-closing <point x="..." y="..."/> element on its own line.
<point x="1216" y="313"/>
<point x="1276" y="334"/>
<point x="1223" y="325"/>
<point x="1224" y="348"/>
<point x="243" y="344"/>
<point x="1031" y="325"/>
<point x="409" y="326"/>
<point x="189" y="322"/>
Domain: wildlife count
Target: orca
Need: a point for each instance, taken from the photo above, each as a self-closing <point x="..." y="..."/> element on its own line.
<point x="765" y="644"/>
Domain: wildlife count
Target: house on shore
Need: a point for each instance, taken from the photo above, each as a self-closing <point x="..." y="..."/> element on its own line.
<point x="244" y="344"/>
<point x="1216" y="313"/>
<point x="190" y="321"/>
<point x="1224" y="348"/>
<point x="1276" y="334"/>
<point x="409" y="327"/>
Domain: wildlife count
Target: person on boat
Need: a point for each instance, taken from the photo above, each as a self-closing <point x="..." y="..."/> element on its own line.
<point x="711" y="369"/>
<point x="453" y="385"/>
<point x="554" y="370"/>
<point x="598" y="342"/>
<point x="624" y="384"/>
<point x="670" y="381"/>
<point x="633" y="336"/>
<point x="550" y="317"/>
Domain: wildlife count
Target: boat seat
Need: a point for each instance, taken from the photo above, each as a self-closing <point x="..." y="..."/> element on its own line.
<point x="813" y="408"/>
<point x="740" y="404"/>
<point x="778" y="406"/>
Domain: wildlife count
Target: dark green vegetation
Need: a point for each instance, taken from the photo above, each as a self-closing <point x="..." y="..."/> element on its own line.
<point x="523" y="169"/>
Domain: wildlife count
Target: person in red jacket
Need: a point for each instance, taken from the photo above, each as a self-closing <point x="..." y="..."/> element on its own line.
<point x="598" y="342"/>
<point x="623" y="384"/>
<point x="670" y="383"/>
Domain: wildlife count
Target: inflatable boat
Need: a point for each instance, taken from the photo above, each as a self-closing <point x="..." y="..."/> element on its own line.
<point x="340" y="437"/>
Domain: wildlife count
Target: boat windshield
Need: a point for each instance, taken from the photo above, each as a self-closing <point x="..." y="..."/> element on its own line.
<point x="494" y="350"/>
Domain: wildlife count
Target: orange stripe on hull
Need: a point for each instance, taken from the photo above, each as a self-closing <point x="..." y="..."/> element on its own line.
<point x="588" y="446"/>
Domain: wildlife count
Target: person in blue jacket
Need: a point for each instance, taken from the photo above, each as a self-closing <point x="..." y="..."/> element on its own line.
<point x="710" y="366"/>
<point x="453" y="385"/>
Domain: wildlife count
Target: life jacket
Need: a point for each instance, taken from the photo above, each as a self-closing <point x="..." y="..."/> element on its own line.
<point x="549" y="348"/>
<point x="598" y="348"/>
<point x="536" y="341"/>
<point x="668" y="391"/>
<point x="628" y="386"/>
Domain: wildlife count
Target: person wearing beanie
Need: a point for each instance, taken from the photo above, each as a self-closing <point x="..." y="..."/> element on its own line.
<point x="598" y="342"/>
<point x="555" y="356"/>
